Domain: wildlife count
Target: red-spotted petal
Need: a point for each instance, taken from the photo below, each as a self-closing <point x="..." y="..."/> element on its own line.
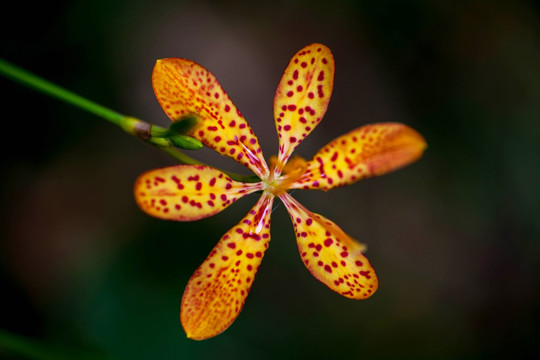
<point x="218" y="289"/>
<point x="183" y="88"/>
<point x="302" y="97"/>
<point x="188" y="192"/>
<point x="331" y="255"/>
<point x="364" y="152"/>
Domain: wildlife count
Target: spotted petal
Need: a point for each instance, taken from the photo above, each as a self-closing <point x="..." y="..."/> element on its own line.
<point x="184" y="88"/>
<point x="188" y="192"/>
<point x="331" y="255"/>
<point x="367" y="151"/>
<point x="302" y="97"/>
<point x="218" y="289"/>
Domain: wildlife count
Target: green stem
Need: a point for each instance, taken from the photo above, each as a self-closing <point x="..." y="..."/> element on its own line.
<point x="136" y="127"/>
<point x="37" y="83"/>
<point x="22" y="347"/>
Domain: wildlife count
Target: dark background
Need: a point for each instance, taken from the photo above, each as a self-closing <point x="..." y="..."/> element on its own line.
<point x="455" y="238"/>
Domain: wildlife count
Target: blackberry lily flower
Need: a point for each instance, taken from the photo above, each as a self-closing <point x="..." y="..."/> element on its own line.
<point x="217" y="290"/>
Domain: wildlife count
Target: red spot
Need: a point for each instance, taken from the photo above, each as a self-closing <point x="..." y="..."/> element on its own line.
<point x="334" y="264"/>
<point x="217" y="139"/>
<point x="212" y="128"/>
<point x="249" y="255"/>
<point x="358" y="263"/>
<point x="311" y="95"/>
<point x="212" y="181"/>
<point x="290" y="82"/>
<point x="258" y="254"/>
<point x="231" y="245"/>
<point x="210" y="203"/>
<point x="232" y="123"/>
<point x="299" y="88"/>
<point x="328" y="242"/>
<point x="328" y="269"/>
<point x="249" y="267"/>
<point x="303" y="120"/>
<point x="365" y="274"/>
<point x="185" y="199"/>
<point x="309" y="221"/>
<point x="228" y="186"/>
<point x="290" y="93"/>
<point x="163" y="202"/>
<point x="344" y="254"/>
<point x="239" y="252"/>
<point x="321" y="76"/>
<point x="292" y="139"/>
<point x="318" y="247"/>
<point x="227" y="108"/>
<point x="240" y="231"/>
<point x="291" y="107"/>
<point x="334" y="157"/>
<point x="319" y="90"/>
<point x="303" y="64"/>
<point x="212" y="265"/>
<point x="287" y="127"/>
<point x="177" y="207"/>
<point x="224" y="258"/>
<point x="295" y="74"/>
<point x="324" y="61"/>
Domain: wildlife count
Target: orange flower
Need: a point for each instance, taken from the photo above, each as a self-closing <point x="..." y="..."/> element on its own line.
<point x="217" y="290"/>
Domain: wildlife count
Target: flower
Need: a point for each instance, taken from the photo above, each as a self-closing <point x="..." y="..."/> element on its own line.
<point x="217" y="290"/>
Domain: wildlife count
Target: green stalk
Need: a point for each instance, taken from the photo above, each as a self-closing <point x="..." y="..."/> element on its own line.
<point x="160" y="137"/>
<point x="27" y="348"/>
<point x="37" y="83"/>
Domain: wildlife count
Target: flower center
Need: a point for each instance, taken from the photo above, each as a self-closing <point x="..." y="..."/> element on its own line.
<point x="294" y="168"/>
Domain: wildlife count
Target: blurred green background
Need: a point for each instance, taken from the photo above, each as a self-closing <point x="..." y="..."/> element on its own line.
<point x="455" y="238"/>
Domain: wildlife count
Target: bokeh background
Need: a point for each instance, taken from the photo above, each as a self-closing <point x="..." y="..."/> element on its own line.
<point x="455" y="238"/>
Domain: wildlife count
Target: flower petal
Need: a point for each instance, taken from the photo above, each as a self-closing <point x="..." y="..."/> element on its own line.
<point x="218" y="289"/>
<point x="331" y="255"/>
<point x="184" y="88"/>
<point x="302" y="97"/>
<point x="188" y="192"/>
<point x="367" y="151"/>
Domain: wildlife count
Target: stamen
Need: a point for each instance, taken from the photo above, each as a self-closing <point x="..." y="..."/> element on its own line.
<point x="292" y="171"/>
